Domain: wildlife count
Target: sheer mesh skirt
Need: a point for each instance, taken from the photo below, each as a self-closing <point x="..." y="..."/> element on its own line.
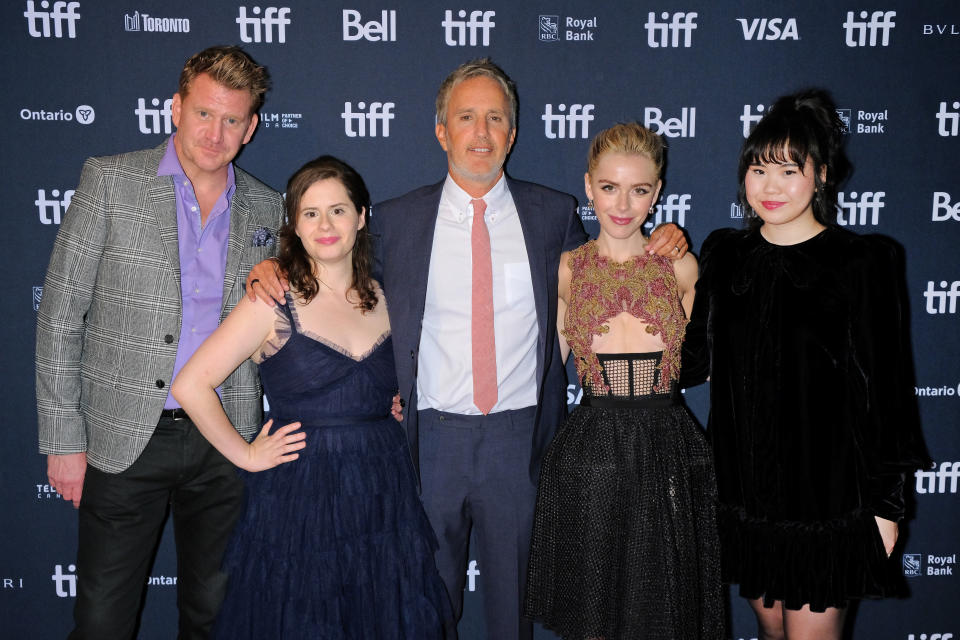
<point x="624" y="541"/>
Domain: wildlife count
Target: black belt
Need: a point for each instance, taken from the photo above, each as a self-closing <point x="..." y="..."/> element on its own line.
<point x="175" y="414"/>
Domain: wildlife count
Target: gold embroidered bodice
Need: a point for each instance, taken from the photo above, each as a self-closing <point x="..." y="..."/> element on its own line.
<point x="600" y="289"/>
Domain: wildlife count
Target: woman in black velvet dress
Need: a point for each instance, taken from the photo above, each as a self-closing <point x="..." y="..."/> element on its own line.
<point x="801" y="326"/>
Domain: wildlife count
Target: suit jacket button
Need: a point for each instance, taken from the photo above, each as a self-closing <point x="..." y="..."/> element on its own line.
<point x="168" y="338"/>
<point x="160" y="384"/>
<point x="412" y="354"/>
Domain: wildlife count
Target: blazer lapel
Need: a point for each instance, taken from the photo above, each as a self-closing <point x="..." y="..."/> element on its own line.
<point x="239" y="218"/>
<point x="162" y="202"/>
<point x="423" y="219"/>
<point x="528" y="208"/>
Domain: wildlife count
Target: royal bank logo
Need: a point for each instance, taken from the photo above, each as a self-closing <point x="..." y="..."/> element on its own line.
<point x="948" y="122"/>
<point x="913" y="565"/>
<point x="60" y="15"/>
<point x="861" y="209"/>
<point x="155" y="118"/>
<point x="670" y="31"/>
<point x="846" y="117"/>
<point x="65" y="584"/>
<point x="942" y="299"/>
<point x="548" y="28"/>
<point x="272" y="120"/>
<point x="769" y="28"/>
<point x="861" y="121"/>
<point x="673" y="208"/>
<point x="272" y="27"/>
<point x="363" y="123"/>
<point x="383" y="30"/>
<point x="84" y="114"/>
<point x="916" y="565"/>
<point x="942" y="479"/>
<point x="465" y="31"/>
<point x="567" y="122"/>
<point x="50" y="208"/>
<point x="37" y="297"/>
<point x="943" y="209"/>
<point x="145" y="22"/>
<point x="871" y="30"/>
<point x="684" y="126"/>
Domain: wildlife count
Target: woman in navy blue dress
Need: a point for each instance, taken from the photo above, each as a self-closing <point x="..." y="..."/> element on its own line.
<point x="333" y="542"/>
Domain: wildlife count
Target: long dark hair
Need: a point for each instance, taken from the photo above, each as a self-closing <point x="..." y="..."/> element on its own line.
<point x="800" y="126"/>
<point x="293" y="258"/>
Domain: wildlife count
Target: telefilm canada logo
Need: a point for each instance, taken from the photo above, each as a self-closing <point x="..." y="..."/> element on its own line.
<point x="137" y="22"/>
<point x="83" y="114"/>
<point x="567" y="28"/>
<point x="273" y="120"/>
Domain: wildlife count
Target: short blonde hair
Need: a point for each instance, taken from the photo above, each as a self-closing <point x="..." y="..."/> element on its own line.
<point x="627" y="137"/>
<point x="231" y="67"/>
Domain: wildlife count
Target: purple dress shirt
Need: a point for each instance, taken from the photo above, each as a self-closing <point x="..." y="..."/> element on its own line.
<point x="203" y="259"/>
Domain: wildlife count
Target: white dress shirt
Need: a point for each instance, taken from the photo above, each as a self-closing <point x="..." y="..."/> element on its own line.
<point x="444" y="374"/>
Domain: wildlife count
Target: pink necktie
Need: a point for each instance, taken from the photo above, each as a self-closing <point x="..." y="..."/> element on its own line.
<point x="482" y="337"/>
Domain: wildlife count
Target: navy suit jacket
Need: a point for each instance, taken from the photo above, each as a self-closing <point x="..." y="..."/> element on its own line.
<point x="404" y="228"/>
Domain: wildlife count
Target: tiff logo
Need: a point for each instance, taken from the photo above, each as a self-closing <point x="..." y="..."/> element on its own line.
<point x="948" y="121"/>
<point x="660" y="33"/>
<point x="683" y="127"/>
<point x="855" y="212"/>
<point x="580" y="114"/>
<point x="381" y="112"/>
<point x="150" y="119"/>
<point x="66" y="583"/>
<point x="942" y="209"/>
<point x="880" y="22"/>
<point x="931" y="636"/>
<point x="769" y="29"/>
<point x="383" y="31"/>
<point x="479" y="21"/>
<point x="674" y="209"/>
<point x="748" y="118"/>
<point x="472" y="573"/>
<point x="51" y="210"/>
<point x="272" y="17"/>
<point x="62" y="12"/>
<point x="935" y="480"/>
<point x="937" y="299"/>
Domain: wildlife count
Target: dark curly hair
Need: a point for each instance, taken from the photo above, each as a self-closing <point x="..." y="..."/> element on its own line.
<point x="800" y="126"/>
<point x="293" y="258"/>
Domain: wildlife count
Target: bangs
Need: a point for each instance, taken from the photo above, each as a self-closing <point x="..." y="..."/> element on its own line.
<point x="778" y="143"/>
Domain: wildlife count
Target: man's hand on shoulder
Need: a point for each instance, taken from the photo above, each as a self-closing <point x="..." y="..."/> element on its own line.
<point x="65" y="474"/>
<point x="668" y="240"/>
<point x="265" y="281"/>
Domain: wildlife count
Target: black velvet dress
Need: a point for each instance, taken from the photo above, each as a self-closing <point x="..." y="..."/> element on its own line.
<point x="813" y="418"/>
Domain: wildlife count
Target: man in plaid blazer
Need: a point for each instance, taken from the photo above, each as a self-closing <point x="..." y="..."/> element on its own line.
<point x="150" y="257"/>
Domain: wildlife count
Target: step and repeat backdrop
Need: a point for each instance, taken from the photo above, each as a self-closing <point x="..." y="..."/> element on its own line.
<point x="358" y="80"/>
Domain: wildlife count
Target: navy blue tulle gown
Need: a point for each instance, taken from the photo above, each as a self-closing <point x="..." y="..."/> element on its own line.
<point x="336" y="543"/>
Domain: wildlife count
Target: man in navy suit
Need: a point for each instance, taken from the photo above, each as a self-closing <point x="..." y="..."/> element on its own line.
<point x="478" y="442"/>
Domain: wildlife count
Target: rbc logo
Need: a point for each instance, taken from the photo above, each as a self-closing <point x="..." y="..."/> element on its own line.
<point x="658" y="32"/>
<point x="62" y="12"/>
<point x="683" y="127"/>
<point x="854" y="211"/>
<point x="880" y="22"/>
<point x="383" y="31"/>
<point x="272" y="17"/>
<point x="937" y="300"/>
<point x="769" y="29"/>
<point x="65" y="583"/>
<point x="948" y="121"/>
<point x="150" y="119"/>
<point x="51" y="210"/>
<point x="942" y="209"/>
<point x="479" y="21"/>
<point x="377" y="112"/>
<point x="549" y="28"/>
<point x="579" y="113"/>
<point x="913" y="565"/>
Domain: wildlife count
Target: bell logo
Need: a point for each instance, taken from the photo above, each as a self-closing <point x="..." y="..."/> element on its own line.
<point x="381" y="112"/>
<point x="944" y="299"/>
<point x="668" y="32"/>
<point x="769" y="29"/>
<point x="948" y="121"/>
<point x="455" y="31"/>
<point x="51" y="209"/>
<point x="274" y="20"/>
<point x="683" y="127"/>
<point x="854" y="211"/>
<point x="63" y="12"/>
<point x="567" y="124"/>
<point x="863" y="33"/>
<point x="942" y="209"/>
<point x="383" y="31"/>
<point x="150" y="120"/>
<point x="65" y="583"/>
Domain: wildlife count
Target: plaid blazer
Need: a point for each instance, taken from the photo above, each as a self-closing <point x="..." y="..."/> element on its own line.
<point x="109" y="320"/>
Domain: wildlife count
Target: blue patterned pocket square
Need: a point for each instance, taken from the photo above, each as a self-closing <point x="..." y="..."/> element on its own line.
<point x="263" y="237"/>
